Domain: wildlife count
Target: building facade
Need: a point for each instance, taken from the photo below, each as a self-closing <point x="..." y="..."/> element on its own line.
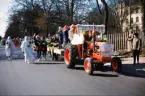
<point x="130" y="17"/>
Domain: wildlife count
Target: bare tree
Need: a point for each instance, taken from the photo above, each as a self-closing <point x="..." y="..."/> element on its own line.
<point x="106" y="13"/>
<point x="142" y="2"/>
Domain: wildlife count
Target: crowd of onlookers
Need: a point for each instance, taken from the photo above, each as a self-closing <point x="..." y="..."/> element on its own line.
<point x="36" y="43"/>
<point x="17" y="41"/>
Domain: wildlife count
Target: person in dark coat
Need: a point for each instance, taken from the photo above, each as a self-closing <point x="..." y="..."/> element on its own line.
<point x="137" y="44"/>
<point x="87" y="37"/>
<point x="44" y="47"/>
<point x="65" y="35"/>
<point x="55" y="39"/>
<point x="60" y="35"/>
<point x="55" y="43"/>
<point x="38" y="43"/>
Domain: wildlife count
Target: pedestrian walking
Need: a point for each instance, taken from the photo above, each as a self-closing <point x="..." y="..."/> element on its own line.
<point x="44" y="48"/>
<point x="9" y="48"/>
<point x="136" y="48"/>
<point x="27" y="50"/>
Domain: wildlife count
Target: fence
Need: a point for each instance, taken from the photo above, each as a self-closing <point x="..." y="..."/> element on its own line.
<point x="120" y="40"/>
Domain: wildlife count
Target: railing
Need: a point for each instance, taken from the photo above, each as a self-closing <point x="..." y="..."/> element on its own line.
<point x="120" y="40"/>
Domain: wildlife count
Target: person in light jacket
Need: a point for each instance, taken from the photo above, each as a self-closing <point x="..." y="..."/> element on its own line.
<point x="71" y="32"/>
<point x="136" y="46"/>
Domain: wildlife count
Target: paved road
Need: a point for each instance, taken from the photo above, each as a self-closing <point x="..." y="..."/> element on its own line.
<point x="53" y="78"/>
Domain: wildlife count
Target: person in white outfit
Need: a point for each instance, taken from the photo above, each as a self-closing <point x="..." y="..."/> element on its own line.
<point x="9" y="48"/>
<point x="27" y="50"/>
<point x="71" y="32"/>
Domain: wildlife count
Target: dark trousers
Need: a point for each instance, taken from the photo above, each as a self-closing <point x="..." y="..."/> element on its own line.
<point x="38" y="54"/>
<point x="85" y="45"/>
<point x="44" y="53"/>
<point x="136" y="55"/>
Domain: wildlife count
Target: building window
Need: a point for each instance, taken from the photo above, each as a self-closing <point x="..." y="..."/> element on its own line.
<point x="126" y="21"/>
<point x="126" y="12"/>
<point x="131" y="11"/>
<point x="137" y="28"/>
<point x="131" y="20"/>
<point x="137" y="10"/>
<point x="137" y="19"/>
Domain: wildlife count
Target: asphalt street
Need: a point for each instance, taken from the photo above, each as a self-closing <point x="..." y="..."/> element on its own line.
<point x="53" y="78"/>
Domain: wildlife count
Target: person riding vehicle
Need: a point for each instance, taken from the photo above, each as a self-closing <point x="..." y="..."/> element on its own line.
<point x="87" y="38"/>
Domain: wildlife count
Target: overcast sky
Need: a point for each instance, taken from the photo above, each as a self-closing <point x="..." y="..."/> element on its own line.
<point x="4" y="7"/>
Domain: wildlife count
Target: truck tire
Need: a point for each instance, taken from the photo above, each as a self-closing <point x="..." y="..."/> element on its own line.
<point x="89" y="66"/>
<point x="70" y="56"/>
<point x="116" y="64"/>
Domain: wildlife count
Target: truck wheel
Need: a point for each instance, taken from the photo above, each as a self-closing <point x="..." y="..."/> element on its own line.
<point x="70" y="56"/>
<point x="88" y="66"/>
<point x="116" y="64"/>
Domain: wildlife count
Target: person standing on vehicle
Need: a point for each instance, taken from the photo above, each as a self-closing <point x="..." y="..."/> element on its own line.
<point x="88" y="38"/>
<point x="71" y="32"/>
<point x="60" y="35"/>
<point x="44" y="47"/>
<point x="137" y="44"/>
<point x="65" y="35"/>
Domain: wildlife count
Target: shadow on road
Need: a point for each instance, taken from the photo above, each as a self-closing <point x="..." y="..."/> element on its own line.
<point x="40" y="63"/>
<point x="105" y="75"/>
<point x="127" y="70"/>
<point x="79" y="68"/>
<point x="137" y="70"/>
<point x="105" y="70"/>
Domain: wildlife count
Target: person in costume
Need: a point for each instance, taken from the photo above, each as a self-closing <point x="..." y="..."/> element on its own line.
<point x="9" y="48"/>
<point x="27" y="50"/>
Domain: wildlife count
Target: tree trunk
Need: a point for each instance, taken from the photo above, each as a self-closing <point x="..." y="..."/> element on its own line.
<point x="47" y="31"/>
<point x="72" y="11"/>
<point x="143" y="6"/>
<point x="106" y="15"/>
